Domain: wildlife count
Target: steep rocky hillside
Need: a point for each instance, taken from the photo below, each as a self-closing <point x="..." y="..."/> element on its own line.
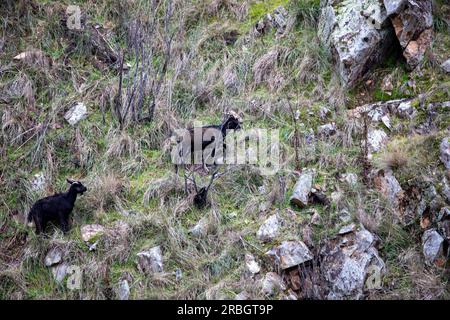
<point x="359" y="207"/>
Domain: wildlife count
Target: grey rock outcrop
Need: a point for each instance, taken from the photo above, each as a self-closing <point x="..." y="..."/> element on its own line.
<point x="347" y="261"/>
<point x="413" y="24"/>
<point x="358" y="35"/>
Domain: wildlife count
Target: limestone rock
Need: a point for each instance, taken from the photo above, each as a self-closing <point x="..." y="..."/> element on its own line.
<point x="75" y="114"/>
<point x="327" y="130"/>
<point x="151" y="261"/>
<point x="444" y="149"/>
<point x="406" y="110"/>
<point x="251" y="264"/>
<point x="90" y="232"/>
<point x="59" y="272"/>
<point x="38" y="182"/>
<point x="347" y="262"/>
<point x="123" y="290"/>
<point x="432" y="243"/>
<point x="269" y="229"/>
<point x="388" y="185"/>
<point x="272" y="283"/>
<point x="54" y="256"/>
<point x="376" y="139"/>
<point x="358" y="35"/>
<point x="446" y="66"/>
<point x="302" y="189"/>
<point x="413" y="24"/>
<point x="290" y="254"/>
<point x="200" y="229"/>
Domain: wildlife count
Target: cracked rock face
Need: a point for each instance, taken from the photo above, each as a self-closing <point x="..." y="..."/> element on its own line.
<point x="347" y="261"/>
<point x="413" y="24"/>
<point x="358" y="35"/>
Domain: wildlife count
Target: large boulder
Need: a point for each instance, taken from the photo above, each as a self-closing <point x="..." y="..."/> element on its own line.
<point x="357" y="33"/>
<point x="413" y="24"/>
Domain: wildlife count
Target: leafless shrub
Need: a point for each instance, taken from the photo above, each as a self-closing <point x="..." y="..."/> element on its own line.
<point x="143" y="85"/>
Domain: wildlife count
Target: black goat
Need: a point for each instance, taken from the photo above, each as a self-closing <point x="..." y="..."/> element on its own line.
<point x="56" y="208"/>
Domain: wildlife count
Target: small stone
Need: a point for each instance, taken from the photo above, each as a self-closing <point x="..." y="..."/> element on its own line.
<point x="151" y="261"/>
<point x="336" y="196"/>
<point x="386" y="121"/>
<point x="200" y="229"/>
<point x="291" y="295"/>
<point x="269" y="229"/>
<point x="350" y="178"/>
<point x="376" y="140"/>
<point x="386" y="84"/>
<point x="406" y="110"/>
<point x="302" y="189"/>
<point x="316" y="219"/>
<point x="75" y="114"/>
<point x="59" y="272"/>
<point x="446" y="66"/>
<point x="347" y="229"/>
<point x="388" y="185"/>
<point x="91" y="232"/>
<point x="290" y="254"/>
<point x="272" y="283"/>
<point x="252" y="266"/>
<point x="324" y="112"/>
<point x="124" y="290"/>
<point x="178" y="274"/>
<point x="347" y="263"/>
<point x="54" y="256"/>
<point x="432" y="243"/>
<point x="327" y="130"/>
<point x="242" y="296"/>
<point x="444" y="149"/>
<point x="444" y="214"/>
<point x="38" y="182"/>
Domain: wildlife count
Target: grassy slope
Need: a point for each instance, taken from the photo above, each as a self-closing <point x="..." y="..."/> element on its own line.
<point x="119" y="167"/>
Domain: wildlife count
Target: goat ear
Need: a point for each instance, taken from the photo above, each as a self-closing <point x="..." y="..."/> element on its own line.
<point x="69" y="181"/>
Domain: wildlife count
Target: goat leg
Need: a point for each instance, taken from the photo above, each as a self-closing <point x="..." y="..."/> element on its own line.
<point x="38" y="224"/>
<point x="64" y="222"/>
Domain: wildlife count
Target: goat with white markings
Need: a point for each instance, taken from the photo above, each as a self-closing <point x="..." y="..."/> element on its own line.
<point x="56" y="208"/>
